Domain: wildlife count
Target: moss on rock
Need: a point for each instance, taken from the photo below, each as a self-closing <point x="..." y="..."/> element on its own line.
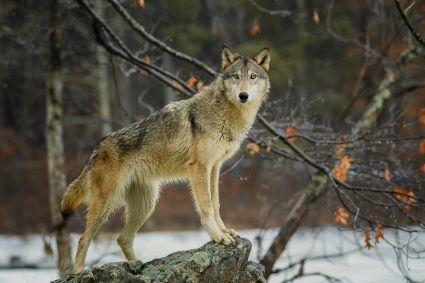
<point x="209" y="263"/>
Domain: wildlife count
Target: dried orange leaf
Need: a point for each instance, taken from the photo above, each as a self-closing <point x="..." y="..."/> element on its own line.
<point x="291" y="131"/>
<point x="379" y="234"/>
<point x="316" y="17"/>
<point x="387" y="173"/>
<point x="191" y="81"/>
<point x="341" y="216"/>
<point x="404" y="196"/>
<point x="423" y="168"/>
<point x="342" y="168"/>
<point x="146" y="58"/>
<point x="255" y="29"/>
<point x="253" y="148"/>
<point x="367" y="239"/>
<point x="140" y="3"/>
<point x="421" y="115"/>
<point x="422" y="146"/>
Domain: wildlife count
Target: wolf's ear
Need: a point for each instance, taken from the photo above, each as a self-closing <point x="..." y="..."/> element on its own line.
<point x="228" y="57"/>
<point x="263" y="59"/>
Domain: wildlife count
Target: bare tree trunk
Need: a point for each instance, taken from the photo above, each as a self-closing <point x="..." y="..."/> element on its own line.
<point x="54" y="140"/>
<point x="304" y="200"/>
<point x="103" y="82"/>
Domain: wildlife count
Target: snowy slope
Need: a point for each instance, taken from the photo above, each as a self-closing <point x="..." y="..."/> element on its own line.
<point x="368" y="266"/>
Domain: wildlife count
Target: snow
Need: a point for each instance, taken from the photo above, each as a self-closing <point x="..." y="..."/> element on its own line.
<point x="375" y="265"/>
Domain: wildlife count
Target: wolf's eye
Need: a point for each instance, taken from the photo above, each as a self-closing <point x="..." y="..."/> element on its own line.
<point x="253" y="76"/>
<point x="236" y="76"/>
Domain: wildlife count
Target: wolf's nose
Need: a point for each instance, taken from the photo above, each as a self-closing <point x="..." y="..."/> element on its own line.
<point x="243" y="96"/>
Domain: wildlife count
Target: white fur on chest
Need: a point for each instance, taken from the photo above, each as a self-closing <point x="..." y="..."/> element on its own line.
<point x="219" y="150"/>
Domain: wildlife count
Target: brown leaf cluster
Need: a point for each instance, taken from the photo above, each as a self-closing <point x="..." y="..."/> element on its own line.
<point x="405" y="196"/>
<point x="193" y="82"/>
<point x="147" y="59"/>
<point x="291" y="131"/>
<point x="253" y="148"/>
<point x="139" y="3"/>
<point x="367" y="240"/>
<point x="422" y="146"/>
<point x="342" y="168"/>
<point x="255" y="28"/>
<point x="341" y="216"/>
<point x="316" y="17"/>
<point x="421" y="115"/>
<point x="379" y="234"/>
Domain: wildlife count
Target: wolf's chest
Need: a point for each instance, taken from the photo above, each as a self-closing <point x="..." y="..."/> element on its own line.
<point x="223" y="144"/>
<point x="221" y="149"/>
<point x="231" y="133"/>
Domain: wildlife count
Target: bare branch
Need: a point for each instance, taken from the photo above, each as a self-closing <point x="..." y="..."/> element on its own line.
<point x="282" y="13"/>
<point x="412" y="30"/>
<point x="103" y="31"/>
<point x="155" y="41"/>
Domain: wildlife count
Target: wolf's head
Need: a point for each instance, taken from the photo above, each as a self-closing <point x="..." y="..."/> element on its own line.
<point x="245" y="79"/>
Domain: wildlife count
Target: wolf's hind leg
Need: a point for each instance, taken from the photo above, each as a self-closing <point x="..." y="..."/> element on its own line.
<point x="140" y="203"/>
<point x="98" y="212"/>
<point x="215" y="180"/>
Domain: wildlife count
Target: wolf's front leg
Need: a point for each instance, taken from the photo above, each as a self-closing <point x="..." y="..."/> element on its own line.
<point x="215" y="196"/>
<point x="200" y="182"/>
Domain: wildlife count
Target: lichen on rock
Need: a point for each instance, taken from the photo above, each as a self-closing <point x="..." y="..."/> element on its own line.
<point x="209" y="263"/>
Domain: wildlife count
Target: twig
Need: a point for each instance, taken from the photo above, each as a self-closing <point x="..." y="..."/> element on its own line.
<point x="282" y="13"/>
<point x="311" y="274"/>
<point x="403" y="16"/>
<point x="313" y="258"/>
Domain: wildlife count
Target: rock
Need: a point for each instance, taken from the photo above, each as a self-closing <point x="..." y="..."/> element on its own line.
<point x="209" y="263"/>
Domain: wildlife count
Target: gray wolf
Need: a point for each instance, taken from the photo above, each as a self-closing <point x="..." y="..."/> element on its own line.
<point x="187" y="140"/>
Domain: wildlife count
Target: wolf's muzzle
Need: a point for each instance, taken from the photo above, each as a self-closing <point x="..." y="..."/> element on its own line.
<point x="243" y="97"/>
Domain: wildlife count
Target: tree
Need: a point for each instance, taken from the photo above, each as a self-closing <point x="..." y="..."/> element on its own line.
<point x="54" y="138"/>
<point x="103" y="83"/>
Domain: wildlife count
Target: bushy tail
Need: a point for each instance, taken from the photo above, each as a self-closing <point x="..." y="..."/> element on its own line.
<point x="73" y="196"/>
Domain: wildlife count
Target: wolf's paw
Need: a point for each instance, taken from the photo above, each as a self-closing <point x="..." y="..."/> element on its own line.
<point x="232" y="232"/>
<point x="227" y="239"/>
<point x="223" y="238"/>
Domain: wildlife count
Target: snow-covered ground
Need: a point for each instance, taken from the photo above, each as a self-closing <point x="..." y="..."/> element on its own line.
<point x="375" y="265"/>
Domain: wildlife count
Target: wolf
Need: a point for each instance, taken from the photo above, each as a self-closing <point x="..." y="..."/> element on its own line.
<point x="187" y="140"/>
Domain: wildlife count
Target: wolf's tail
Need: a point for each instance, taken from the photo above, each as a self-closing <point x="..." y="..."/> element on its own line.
<point x="73" y="196"/>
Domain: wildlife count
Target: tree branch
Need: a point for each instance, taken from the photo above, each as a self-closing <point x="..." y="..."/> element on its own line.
<point x="158" y="43"/>
<point x="403" y="16"/>
<point x="103" y="31"/>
